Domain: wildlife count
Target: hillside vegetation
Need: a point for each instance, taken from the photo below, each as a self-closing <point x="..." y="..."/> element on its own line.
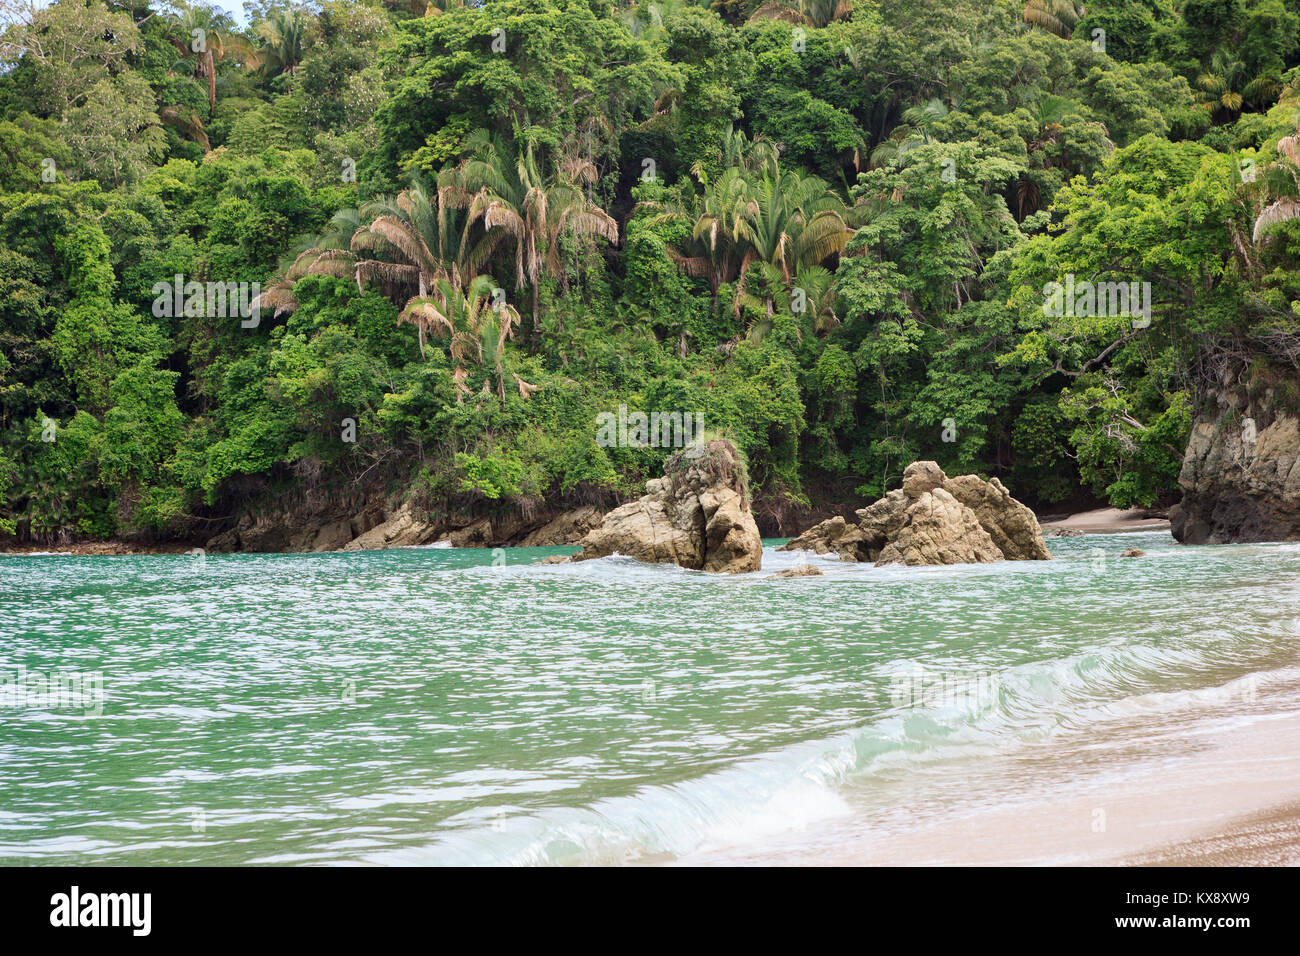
<point x="827" y="228"/>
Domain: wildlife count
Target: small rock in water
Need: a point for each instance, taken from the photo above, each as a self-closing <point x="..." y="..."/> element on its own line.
<point x="798" y="571"/>
<point x="1133" y="553"/>
<point x="554" y="559"/>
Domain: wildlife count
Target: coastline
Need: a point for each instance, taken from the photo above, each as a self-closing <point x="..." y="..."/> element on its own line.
<point x="1134" y="723"/>
<point x="1097" y="521"/>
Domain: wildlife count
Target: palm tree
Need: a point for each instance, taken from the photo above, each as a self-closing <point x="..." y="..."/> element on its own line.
<point x="811" y="13"/>
<point x="200" y="38"/>
<point x="420" y="238"/>
<point x="795" y="221"/>
<point x="1219" y="82"/>
<point x="327" y="254"/>
<point x="476" y="325"/>
<point x="1049" y="112"/>
<point x="1054" y="16"/>
<point x="516" y="201"/>
<point x="782" y="218"/>
<point x="717" y="250"/>
<point x="916" y="129"/>
<point x="1228" y="89"/>
<point x="187" y="121"/>
<point x="820" y="298"/>
<point x="285" y="36"/>
<point x="1283" y="181"/>
<point x="740" y="151"/>
<point x="812" y="296"/>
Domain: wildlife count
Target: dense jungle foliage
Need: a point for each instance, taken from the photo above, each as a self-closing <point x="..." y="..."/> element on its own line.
<point x="825" y="225"/>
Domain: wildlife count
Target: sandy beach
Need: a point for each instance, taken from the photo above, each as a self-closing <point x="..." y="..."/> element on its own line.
<point x="1105" y="521"/>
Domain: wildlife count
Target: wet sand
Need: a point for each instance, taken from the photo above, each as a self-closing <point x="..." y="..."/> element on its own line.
<point x="1213" y="781"/>
<point x="1271" y="838"/>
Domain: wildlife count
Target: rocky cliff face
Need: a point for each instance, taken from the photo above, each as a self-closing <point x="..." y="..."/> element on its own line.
<point x="1240" y="474"/>
<point x="933" y="519"/>
<point x="696" y="516"/>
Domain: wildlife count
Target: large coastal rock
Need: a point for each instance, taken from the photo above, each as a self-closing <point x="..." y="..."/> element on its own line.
<point x="1012" y="526"/>
<point x="933" y="519"/>
<point x="1241" y="473"/>
<point x="696" y="516"/>
<point x="939" y="529"/>
<point x="880" y="523"/>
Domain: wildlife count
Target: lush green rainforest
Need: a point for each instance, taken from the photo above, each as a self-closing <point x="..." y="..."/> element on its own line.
<point x="365" y="248"/>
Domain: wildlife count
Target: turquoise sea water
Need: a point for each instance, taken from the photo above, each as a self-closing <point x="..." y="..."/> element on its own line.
<point x="434" y="705"/>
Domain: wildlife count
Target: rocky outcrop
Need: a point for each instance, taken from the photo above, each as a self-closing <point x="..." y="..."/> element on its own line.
<point x="1133" y="553"/>
<point x="832" y="535"/>
<point x="1011" y="525"/>
<point x="569" y="528"/>
<point x="387" y="525"/>
<point x="922" y="476"/>
<point x="1241" y="473"/>
<point x="404" y="527"/>
<point x="879" y="524"/>
<point x="939" y="529"/>
<point x="274" y="531"/>
<point x="933" y="519"/>
<point x="696" y="516"/>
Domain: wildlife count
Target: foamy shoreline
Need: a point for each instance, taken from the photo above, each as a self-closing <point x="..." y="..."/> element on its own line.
<point x="1213" y="785"/>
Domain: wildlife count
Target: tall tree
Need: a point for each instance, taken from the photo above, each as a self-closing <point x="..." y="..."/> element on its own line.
<point x="516" y="201"/>
<point x="203" y="33"/>
<point x="285" y="35"/>
<point x="421" y="234"/>
<point x="1054" y="16"/>
<point x="1282" y="179"/>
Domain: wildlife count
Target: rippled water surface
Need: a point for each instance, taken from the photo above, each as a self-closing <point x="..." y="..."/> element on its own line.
<point x="434" y="706"/>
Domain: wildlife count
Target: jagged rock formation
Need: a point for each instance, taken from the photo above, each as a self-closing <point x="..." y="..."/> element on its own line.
<point x="1241" y="473"/>
<point x="833" y="534"/>
<point x="939" y="529"/>
<point x="279" y="531"/>
<point x="1012" y="526"/>
<point x="696" y="516"/>
<point x="403" y="528"/>
<point x="933" y="519"/>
